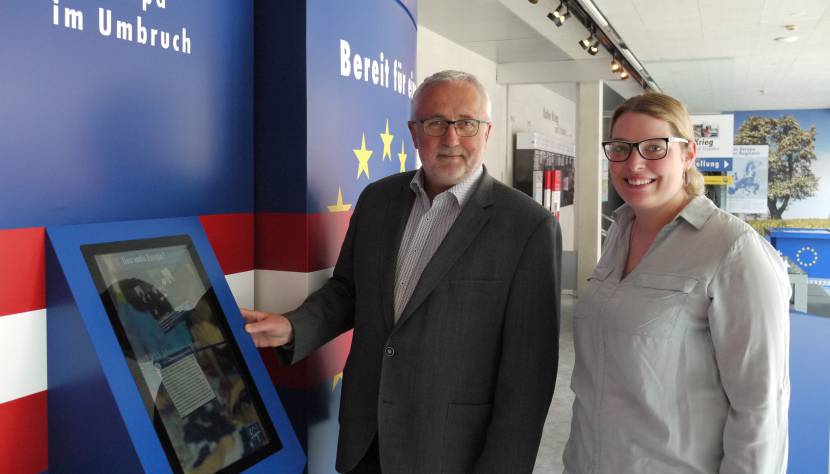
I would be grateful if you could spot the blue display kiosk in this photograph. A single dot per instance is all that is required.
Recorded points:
(176, 389)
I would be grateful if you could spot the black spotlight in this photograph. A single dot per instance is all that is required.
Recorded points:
(586, 43)
(590, 44)
(559, 15)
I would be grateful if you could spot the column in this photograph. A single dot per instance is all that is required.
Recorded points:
(588, 179)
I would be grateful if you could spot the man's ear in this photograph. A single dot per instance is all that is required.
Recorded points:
(413, 131)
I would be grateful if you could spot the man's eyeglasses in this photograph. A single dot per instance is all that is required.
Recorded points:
(650, 149)
(463, 127)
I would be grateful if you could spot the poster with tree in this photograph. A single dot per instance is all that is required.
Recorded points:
(798, 159)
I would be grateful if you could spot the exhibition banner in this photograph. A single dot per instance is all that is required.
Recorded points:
(717, 180)
(747, 194)
(799, 157)
(360, 79)
(713, 135)
(718, 165)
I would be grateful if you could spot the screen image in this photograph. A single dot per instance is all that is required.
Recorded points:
(178, 346)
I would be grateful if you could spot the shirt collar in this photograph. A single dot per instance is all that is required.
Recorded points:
(696, 212)
(461, 191)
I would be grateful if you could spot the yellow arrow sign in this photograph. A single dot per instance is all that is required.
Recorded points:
(718, 180)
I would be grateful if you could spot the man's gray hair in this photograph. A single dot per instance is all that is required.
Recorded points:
(451, 76)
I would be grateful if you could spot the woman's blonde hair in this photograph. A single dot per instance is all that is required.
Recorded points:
(670, 110)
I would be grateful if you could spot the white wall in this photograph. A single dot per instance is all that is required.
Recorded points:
(534, 108)
(436, 53)
(515, 109)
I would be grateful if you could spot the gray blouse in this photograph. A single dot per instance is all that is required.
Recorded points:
(683, 365)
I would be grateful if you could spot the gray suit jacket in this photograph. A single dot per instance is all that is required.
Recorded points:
(463, 381)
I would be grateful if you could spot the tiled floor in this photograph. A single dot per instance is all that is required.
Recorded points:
(558, 423)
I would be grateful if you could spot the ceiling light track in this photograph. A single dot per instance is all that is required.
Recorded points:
(601, 33)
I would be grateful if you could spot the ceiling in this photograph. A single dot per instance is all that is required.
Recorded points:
(714, 55)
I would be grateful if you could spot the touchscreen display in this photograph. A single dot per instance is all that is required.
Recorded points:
(188, 369)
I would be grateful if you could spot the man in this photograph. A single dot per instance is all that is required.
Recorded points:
(450, 280)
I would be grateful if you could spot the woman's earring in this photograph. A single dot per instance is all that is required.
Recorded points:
(685, 177)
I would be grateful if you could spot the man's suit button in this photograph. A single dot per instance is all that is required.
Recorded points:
(389, 351)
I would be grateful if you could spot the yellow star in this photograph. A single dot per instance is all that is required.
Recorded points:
(363, 156)
(337, 378)
(339, 206)
(387, 143)
(402, 158)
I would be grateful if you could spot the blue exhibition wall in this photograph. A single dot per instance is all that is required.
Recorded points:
(111, 110)
(333, 85)
(361, 75)
(340, 98)
(809, 410)
(101, 122)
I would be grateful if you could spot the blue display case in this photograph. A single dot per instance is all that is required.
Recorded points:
(808, 248)
(149, 367)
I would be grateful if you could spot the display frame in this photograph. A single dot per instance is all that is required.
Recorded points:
(93, 393)
(93, 250)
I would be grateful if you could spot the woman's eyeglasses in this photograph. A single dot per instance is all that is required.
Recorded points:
(649, 149)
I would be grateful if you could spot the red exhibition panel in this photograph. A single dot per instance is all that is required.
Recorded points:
(297, 242)
(232, 239)
(23, 435)
(280, 241)
(326, 233)
(321, 365)
(22, 270)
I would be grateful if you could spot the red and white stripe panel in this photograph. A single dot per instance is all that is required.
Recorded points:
(295, 255)
(23, 431)
(232, 239)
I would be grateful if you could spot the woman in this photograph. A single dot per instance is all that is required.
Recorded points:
(682, 332)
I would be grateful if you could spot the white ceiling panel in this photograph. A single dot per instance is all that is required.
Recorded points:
(751, 70)
(714, 55)
(795, 10)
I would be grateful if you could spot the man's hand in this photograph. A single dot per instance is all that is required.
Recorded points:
(267, 329)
